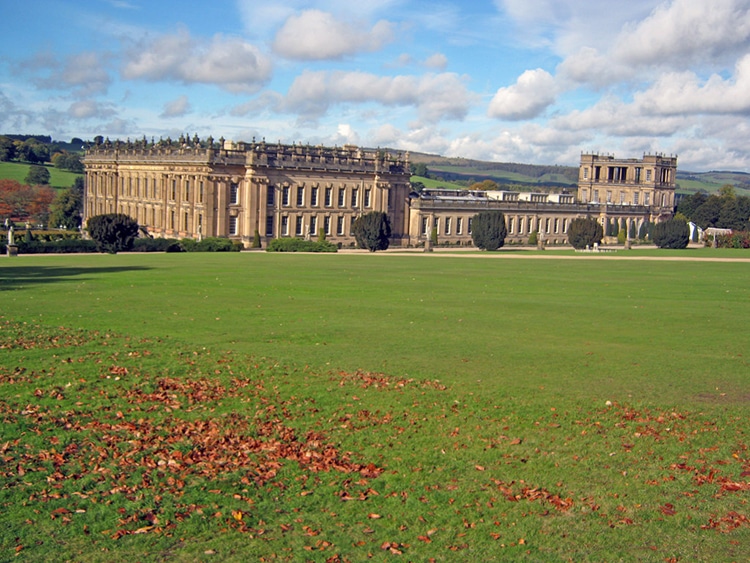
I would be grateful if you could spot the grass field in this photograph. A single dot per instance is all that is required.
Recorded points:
(18, 171)
(389, 407)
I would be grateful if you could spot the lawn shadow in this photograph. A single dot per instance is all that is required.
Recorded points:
(24, 276)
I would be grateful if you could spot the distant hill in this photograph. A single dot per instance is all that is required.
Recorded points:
(453, 172)
(508, 175)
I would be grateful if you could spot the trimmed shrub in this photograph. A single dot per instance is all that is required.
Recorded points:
(533, 238)
(673, 233)
(113, 232)
(64, 246)
(300, 245)
(488, 230)
(583, 232)
(156, 245)
(372, 231)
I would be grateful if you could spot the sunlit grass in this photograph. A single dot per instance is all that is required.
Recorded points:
(586, 410)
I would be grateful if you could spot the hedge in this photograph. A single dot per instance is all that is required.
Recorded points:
(299, 245)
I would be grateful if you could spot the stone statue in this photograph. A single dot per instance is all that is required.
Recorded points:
(11, 238)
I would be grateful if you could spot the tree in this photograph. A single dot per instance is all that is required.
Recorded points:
(113, 232)
(689, 204)
(38, 208)
(67, 208)
(37, 176)
(372, 231)
(673, 233)
(583, 232)
(484, 186)
(488, 230)
(33, 151)
(7, 149)
(67, 161)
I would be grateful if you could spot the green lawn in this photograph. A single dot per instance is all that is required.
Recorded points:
(353, 406)
(18, 171)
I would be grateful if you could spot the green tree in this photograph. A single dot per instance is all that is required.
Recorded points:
(67, 161)
(37, 176)
(673, 233)
(372, 231)
(33, 151)
(7, 149)
(113, 232)
(689, 204)
(488, 230)
(584, 231)
(419, 169)
(707, 215)
(67, 208)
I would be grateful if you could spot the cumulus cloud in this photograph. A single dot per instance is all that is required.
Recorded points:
(438, 61)
(87, 109)
(436, 96)
(177, 108)
(684, 32)
(533, 92)
(84, 73)
(227, 62)
(316, 35)
(684, 93)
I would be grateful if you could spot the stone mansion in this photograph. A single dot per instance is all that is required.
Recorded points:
(201, 189)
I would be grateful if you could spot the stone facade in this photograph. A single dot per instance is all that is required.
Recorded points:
(231, 190)
(199, 189)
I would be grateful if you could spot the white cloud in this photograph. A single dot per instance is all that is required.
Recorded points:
(533, 92)
(686, 32)
(680, 93)
(177, 108)
(438, 61)
(227, 62)
(88, 109)
(316, 35)
(436, 96)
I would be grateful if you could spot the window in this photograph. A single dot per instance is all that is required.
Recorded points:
(565, 226)
(638, 174)
(447, 225)
(368, 197)
(622, 198)
(596, 196)
(298, 226)
(187, 190)
(511, 225)
(635, 198)
(425, 223)
(647, 198)
(200, 192)
(234, 194)
(340, 226)
(586, 173)
(609, 196)
(185, 221)
(470, 218)
(355, 195)
(327, 225)
(546, 226)
(460, 226)
(520, 225)
(232, 225)
(300, 196)
(557, 225)
(171, 219)
(285, 196)
(269, 225)
(285, 225)
(648, 175)
(270, 196)
(342, 195)
(313, 225)
(329, 197)
(174, 190)
(314, 197)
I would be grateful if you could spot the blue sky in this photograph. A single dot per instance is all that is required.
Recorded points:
(535, 81)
